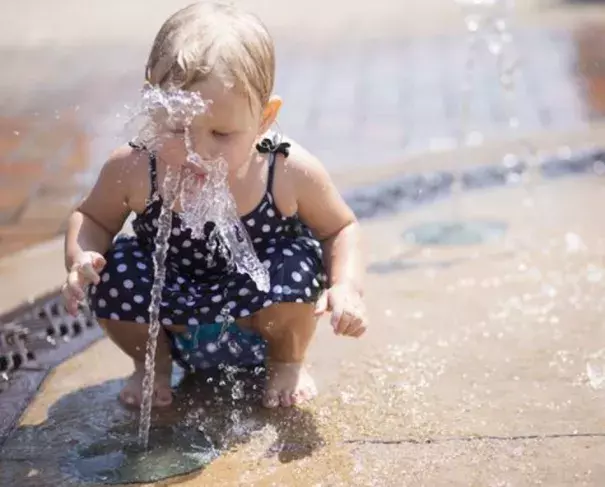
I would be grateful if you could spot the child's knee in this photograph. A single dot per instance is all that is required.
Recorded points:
(285, 318)
(282, 313)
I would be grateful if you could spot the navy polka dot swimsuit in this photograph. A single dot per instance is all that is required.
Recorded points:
(201, 286)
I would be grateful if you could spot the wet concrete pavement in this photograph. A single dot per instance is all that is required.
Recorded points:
(473, 373)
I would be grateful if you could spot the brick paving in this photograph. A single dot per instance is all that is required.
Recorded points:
(352, 102)
(38, 180)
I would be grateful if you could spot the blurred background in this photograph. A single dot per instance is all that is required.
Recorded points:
(365, 86)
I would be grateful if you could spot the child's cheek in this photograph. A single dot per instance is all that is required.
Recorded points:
(173, 150)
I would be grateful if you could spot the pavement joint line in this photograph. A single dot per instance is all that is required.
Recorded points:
(474, 438)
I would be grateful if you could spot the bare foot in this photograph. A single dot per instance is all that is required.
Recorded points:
(287, 384)
(132, 393)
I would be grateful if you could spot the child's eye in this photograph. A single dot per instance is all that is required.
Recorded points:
(217, 133)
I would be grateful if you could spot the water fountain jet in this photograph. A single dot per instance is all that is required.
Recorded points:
(203, 200)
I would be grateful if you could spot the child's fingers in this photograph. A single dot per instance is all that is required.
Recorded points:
(360, 331)
(348, 324)
(88, 272)
(98, 262)
(81, 274)
(71, 305)
(74, 286)
(339, 320)
(71, 302)
(356, 328)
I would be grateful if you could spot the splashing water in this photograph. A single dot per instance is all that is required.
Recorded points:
(204, 198)
(171, 184)
(595, 370)
(487, 22)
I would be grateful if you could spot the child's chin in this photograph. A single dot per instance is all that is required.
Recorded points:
(195, 169)
(199, 176)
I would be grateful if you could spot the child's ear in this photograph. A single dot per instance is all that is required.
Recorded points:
(270, 112)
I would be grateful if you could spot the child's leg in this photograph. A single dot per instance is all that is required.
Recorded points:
(132, 339)
(288, 329)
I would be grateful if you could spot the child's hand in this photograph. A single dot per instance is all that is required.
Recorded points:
(348, 310)
(82, 273)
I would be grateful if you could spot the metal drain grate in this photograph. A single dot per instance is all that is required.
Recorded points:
(34, 338)
(35, 328)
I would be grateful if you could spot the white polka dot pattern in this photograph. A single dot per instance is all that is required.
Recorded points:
(200, 285)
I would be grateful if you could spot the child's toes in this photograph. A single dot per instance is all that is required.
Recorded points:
(299, 397)
(128, 398)
(271, 398)
(304, 394)
(286, 399)
(310, 390)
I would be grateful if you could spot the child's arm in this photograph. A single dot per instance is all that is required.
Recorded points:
(332, 221)
(95, 222)
(322, 208)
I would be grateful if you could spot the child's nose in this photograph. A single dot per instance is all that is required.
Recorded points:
(208, 149)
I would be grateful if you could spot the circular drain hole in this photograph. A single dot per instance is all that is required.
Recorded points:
(471, 232)
(119, 460)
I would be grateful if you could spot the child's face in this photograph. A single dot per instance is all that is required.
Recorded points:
(228, 129)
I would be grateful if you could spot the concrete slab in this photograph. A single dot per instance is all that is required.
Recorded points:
(474, 371)
(553, 462)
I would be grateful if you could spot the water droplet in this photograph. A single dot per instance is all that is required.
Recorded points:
(573, 243)
(237, 392)
(595, 370)
(594, 273)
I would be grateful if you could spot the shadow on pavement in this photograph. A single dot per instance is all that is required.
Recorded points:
(89, 439)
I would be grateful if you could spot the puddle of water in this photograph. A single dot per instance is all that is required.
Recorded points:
(89, 439)
(119, 460)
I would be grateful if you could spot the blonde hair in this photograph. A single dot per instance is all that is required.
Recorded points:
(212, 38)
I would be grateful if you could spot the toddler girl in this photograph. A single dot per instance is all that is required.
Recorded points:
(300, 228)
